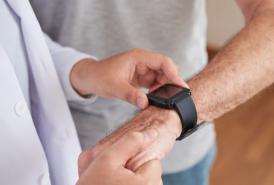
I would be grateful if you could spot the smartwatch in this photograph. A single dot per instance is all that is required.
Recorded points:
(178, 98)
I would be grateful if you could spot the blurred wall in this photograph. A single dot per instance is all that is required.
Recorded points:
(224, 20)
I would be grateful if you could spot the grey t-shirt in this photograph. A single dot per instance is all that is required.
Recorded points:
(105, 27)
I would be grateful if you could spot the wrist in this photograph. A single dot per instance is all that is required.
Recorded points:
(80, 76)
(199, 99)
(154, 117)
(174, 123)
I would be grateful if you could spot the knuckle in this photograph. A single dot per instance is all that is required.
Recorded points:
(168, 59)
(82, 157)
(136, 50)
(136, 137)
(162, 56)
(86, 156)
(107, 157)
(93, 155)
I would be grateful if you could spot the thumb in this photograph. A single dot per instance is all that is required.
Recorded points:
(134, 96)
(129, 146)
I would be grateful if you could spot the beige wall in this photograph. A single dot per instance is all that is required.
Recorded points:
(224, 20)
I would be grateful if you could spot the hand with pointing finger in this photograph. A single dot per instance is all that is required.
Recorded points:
(124, 75)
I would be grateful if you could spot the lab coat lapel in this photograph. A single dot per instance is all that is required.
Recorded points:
(49, 107)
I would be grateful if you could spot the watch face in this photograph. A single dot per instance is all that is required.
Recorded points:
(167, 91)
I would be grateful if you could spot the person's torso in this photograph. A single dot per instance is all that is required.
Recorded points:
(103, 28)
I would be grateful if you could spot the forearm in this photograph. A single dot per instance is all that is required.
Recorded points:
(242, 69)
(150, 118)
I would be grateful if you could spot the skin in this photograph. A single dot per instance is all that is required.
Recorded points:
(127, 72)
(165, 122)
(244, 67)
(240, 70)
(122, 76)
(110, 165)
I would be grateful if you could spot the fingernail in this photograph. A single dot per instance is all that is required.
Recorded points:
(181, 82)
(141, 102)
(150, 134)
(186, 85)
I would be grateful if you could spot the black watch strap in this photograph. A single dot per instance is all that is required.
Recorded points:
(188, 115)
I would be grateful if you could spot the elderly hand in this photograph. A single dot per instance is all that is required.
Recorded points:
(109, 167)
(165, 122)
(122, 76)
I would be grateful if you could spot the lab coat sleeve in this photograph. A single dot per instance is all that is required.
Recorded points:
(64, 59)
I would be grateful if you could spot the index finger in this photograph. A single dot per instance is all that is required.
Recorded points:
(158, 62)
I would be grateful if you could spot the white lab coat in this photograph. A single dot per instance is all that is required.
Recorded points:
(43, 148)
